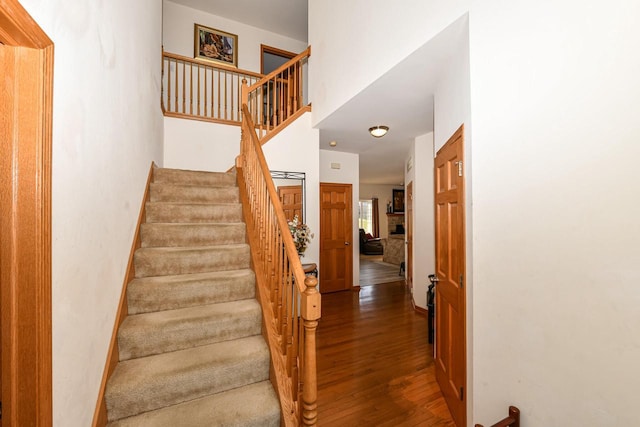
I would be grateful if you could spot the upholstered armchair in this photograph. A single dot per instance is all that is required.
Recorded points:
(370, 246)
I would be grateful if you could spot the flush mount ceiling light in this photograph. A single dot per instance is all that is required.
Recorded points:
(378, 131)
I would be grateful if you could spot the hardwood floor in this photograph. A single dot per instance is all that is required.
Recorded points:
(374, 271)
(375, 367)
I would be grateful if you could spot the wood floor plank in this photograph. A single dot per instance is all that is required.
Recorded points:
(375, 367)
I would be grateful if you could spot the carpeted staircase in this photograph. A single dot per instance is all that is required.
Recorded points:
(191, 349)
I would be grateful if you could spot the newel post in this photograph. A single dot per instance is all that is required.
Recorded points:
(310, 315)
(245, 93)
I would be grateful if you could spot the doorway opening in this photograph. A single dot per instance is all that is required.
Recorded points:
(271, 58)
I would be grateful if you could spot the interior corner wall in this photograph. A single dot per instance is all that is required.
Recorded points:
(178, 35)
(295, 149)
(421, 175)
(452, 109)
(107, 129)
(383, 192)
(338, 45)
(554, 100)
(452, 104)
(349, 173)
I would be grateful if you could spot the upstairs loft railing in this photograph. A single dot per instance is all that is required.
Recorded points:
(290, 301)
(279, 97)
(200, 90)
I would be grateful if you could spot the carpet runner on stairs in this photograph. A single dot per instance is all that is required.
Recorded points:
(191, 349)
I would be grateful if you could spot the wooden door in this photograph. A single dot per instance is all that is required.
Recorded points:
(450, 351)
(336, 238)
(409, 235)
(291, 198)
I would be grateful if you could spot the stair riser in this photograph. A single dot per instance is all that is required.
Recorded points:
(176, 235)
(184, 213)
(144, 297)
(191, 194)
(166, 389)
(208, 179)
(170, 263)
(181, 334)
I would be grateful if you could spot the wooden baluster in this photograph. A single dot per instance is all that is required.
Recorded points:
(310, 315)
(191, 88)
(184, 87)
(225, 95)
(169, 84)
(281, 105)
(213, 71)
(219, 77)
(206, 90)
(198, 109)
(234, 78)
(177, 88)
(290, 91)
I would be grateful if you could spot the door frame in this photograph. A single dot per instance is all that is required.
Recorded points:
(463, 281)
(350, 238)
(26, 61)
(274, 51)
(409, 235)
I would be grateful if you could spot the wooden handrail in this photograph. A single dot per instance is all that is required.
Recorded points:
(289, 299)
(276, 97)
(201, 90)
(210, 64)
(513, 420)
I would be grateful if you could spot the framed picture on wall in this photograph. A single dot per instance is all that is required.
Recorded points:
(398, 201)
(215, 45)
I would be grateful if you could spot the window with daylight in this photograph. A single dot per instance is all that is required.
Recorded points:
(365, 218)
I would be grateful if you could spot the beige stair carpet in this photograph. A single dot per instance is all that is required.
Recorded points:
(191, 349)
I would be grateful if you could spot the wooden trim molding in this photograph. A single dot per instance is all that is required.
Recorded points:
(26, 91)
(113, 356)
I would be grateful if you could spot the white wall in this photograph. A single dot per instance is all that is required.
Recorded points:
(452, 104)
(554, 98)
(452, 109)
(384, 35)
(107, 128)
(349, 173)
(178, 33)
(295, 149)
(196, 145)
(384, 193)
(421, 174)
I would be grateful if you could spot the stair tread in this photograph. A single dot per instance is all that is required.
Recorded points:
(180, 278)
(229, 408)
(148, 383)
(183, 290)
(169, 192)
(191, 234)
(197, 177)
(175, 212)
(187, 249)
(160, 261)
(170, 330)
